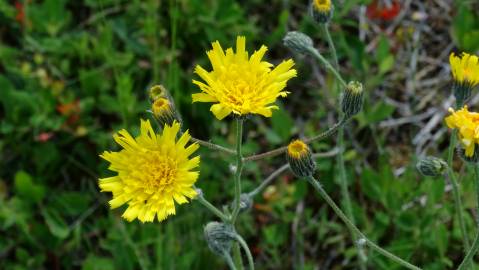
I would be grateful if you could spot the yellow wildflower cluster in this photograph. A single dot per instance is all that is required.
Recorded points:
(154, 172)
(467, 124)
(240, 84)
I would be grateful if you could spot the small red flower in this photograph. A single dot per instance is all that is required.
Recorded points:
(381, 11)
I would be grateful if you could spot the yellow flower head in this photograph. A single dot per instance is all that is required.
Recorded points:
(467, 124)
(322, 5)
(465, 69)
(240, 84)
(297, 149)
(154, 172)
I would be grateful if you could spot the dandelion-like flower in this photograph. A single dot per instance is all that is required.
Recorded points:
(240, 84)
(465, 69)
(322, 5)
(467, 124)
(154, 172)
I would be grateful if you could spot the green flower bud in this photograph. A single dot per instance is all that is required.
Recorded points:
(300, 159)
(352, 99)
(298, 42)
(321, 10)
(431, 166)
(218, 237)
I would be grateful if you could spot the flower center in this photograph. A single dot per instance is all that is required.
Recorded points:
(297, 148)
(158, 172)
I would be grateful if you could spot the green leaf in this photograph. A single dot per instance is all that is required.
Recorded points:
(25, 187)
(55, 223)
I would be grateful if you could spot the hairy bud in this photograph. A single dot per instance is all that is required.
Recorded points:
(298, 42)
(352, 99)
(431, 166)
(218, 237)
(300, 159)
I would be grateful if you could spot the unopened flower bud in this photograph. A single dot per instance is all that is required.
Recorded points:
(298, 42)
(300, 159)
(431, 166)
(218, 237)
(163, 111)
(321, 10)
(352, 99)
(157, 91)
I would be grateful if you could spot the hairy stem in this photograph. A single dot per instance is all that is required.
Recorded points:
(213, 146)
(239, 169)
(211, 207)
(229, 260)
(283, 149)
(243, 244)
(325, 62)
(353, 227)
(340, 159)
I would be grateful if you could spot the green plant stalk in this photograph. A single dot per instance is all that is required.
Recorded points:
(458, 206)
(239, 169)
(237, 182)
(467, 261)
(353, 227)
(212, 208)
(340, 160)
(283, 149)
(455, 191)
(213, 146)
(241, 241)
(325, 62)
(229, 261)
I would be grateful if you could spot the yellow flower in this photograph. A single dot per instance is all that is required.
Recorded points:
(322, 5)
(467, 124)
(163, 111)
(242, 85)
(465, 69)
(297, 149)
(154, 171)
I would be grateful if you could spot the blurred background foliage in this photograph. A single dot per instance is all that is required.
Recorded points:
(73, 72)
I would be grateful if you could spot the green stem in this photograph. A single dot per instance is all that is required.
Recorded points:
(353, 227)
(283, 149)
(229, 260)
(239, 168)
(213, 146)
(328, 66)
(238, 261)
(458, 206)
(212, 208)
(340, 160)
(467, 261)
(455, 191)
(242, 242)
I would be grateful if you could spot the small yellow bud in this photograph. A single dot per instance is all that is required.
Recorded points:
(157, 91)
(300, 159)
(163, 111)
(321, 10)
